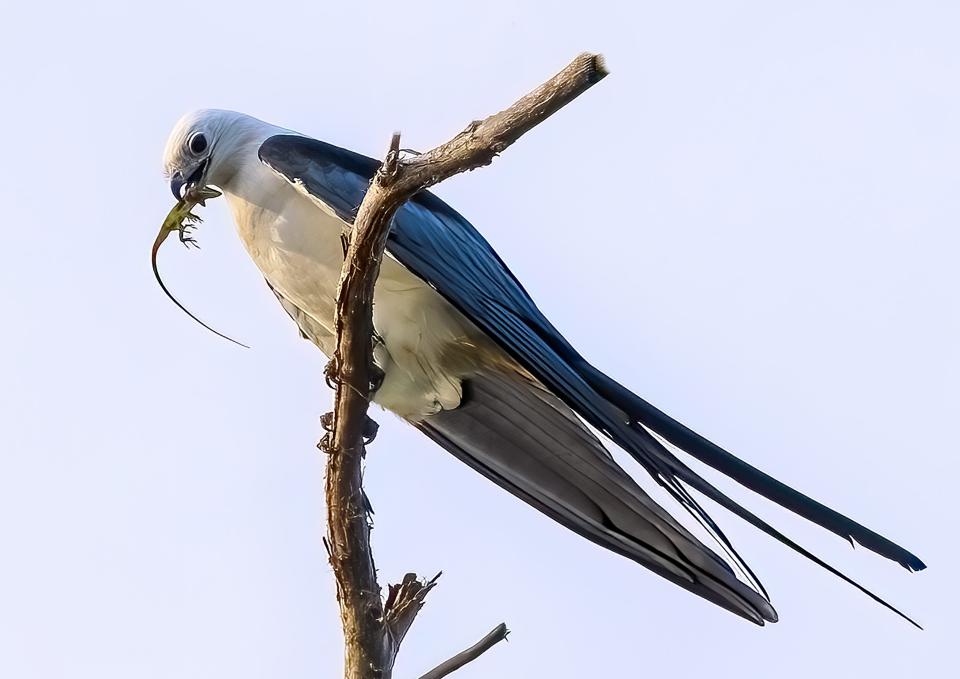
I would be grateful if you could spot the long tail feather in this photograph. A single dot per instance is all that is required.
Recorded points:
(680, 472)
(645, 415)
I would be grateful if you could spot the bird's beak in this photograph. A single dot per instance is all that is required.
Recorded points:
(189, 178)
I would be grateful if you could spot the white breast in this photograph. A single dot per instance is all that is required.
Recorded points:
(297, 247)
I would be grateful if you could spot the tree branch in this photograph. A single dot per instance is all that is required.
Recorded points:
(373, 631)
(495, 636)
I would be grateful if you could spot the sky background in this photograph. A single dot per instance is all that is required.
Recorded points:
(752, 222)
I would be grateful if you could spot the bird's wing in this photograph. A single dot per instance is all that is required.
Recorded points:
(524, 439)
(444, 249)
(309, 328)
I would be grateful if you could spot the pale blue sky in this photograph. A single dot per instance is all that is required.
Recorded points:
(752, 222)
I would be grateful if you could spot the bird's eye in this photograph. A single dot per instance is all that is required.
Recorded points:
(197, 144)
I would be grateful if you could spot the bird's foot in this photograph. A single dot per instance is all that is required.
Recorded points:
(376, 377)
(326, 421)
(370, 429)
(324, 444)
(331, 373)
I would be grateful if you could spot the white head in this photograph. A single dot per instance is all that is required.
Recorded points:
(204, 147)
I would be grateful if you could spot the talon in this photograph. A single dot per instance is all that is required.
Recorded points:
(326, 421)
(323, 445)
(376, 377)
(370, 429)
(331, 373)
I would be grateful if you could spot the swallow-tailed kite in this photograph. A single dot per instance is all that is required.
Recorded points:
(470, 360)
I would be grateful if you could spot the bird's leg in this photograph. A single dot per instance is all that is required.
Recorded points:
(332, 375)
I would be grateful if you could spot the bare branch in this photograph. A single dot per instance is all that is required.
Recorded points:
(496, 635)
(373, 632)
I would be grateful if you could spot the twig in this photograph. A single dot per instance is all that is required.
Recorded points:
(495, 636)
(372, 637)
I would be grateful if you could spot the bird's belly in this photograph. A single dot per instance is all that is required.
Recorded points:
(427, 344)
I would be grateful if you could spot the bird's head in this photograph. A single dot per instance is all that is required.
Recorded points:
(189, 151)
(201, 148)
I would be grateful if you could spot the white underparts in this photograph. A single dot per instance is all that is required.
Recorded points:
(297, 247)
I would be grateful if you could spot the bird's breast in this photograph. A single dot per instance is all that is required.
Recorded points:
(427, 344)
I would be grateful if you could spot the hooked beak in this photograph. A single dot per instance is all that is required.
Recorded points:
(190, 177)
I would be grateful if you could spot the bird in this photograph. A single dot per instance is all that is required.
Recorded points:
(468, 358)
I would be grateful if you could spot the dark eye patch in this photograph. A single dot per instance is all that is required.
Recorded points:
(198, 143)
